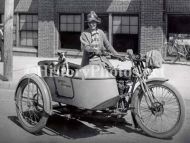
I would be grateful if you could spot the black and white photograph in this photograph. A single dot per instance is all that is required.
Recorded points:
(101, 71)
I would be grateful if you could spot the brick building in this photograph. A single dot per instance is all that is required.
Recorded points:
(42, 27)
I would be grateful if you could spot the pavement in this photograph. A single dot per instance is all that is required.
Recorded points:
(177, 73)
(67, 131)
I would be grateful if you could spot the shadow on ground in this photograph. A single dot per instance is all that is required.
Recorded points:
(80, 128)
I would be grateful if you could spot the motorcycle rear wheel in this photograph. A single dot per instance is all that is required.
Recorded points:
(167, 117)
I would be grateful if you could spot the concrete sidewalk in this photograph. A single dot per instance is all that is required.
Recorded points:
(178, 74)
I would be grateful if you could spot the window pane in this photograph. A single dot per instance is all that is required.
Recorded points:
(23, 41)
(35, 35)
(35, 18)
(22, 26)
(70, 40)
(28, 18)
(29, 26)
(29, 34)
(70, 19)
(125, 29)
(133, 29)
(125, 20)
(22, 18)
(122, 42)
(77, 27)
(29, 42)
(63, 27)
(23, 34)
(35, 42)
(35, 26)
(116, 20)
(70, 27)
(63, 19)
(116, 29)
(77, 19)
(133, 20)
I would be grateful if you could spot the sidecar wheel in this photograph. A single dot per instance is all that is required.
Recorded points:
(166, 118)
(31, 103)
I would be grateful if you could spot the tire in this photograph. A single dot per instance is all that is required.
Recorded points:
(173, 53)
(161, 116)
(32, 105)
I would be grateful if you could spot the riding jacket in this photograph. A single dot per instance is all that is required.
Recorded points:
(94, 40)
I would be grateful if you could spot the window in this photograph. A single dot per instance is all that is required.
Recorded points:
(70, 30)
(125, 33)
(28, 30)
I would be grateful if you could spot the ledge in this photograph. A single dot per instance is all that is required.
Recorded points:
(71, 52)
(25, 49)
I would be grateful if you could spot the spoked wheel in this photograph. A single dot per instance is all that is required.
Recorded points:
(31, 105)
(173, 53)
(165, 116)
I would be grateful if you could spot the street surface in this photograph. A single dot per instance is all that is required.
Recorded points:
(63, 130)
(67, 131)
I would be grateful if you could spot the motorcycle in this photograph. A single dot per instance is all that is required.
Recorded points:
(65, 88)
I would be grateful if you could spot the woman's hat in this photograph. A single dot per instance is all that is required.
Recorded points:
(92, 16)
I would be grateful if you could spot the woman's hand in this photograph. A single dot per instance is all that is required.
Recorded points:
(97, 52)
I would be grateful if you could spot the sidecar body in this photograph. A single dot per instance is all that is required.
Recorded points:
(90, 87)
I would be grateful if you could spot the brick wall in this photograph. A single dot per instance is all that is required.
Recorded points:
(178, 6)
(151, 30)
(46, 28)
(76, 6)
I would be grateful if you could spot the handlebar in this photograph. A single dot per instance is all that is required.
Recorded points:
(129, 56)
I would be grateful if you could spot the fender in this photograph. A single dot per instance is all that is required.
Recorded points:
(44, 89)
(151, 80)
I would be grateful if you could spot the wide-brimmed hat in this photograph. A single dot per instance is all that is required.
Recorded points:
(92, 16)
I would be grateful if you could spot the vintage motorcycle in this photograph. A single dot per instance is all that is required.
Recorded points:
(65, 88)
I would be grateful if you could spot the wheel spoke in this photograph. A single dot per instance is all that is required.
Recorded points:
(165, 113)
(30, 104)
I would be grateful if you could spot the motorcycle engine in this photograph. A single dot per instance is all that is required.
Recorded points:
(123, 86)
(123, 78)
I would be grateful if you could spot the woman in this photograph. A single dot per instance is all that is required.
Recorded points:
(94, 40)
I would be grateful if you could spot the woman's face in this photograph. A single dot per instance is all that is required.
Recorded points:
(92, 25)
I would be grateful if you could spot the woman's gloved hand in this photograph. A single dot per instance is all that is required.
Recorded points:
(97, 52)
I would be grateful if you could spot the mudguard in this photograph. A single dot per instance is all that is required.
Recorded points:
(151, 80)
(44, 89)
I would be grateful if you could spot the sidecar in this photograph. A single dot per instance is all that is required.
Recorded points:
(91, 87)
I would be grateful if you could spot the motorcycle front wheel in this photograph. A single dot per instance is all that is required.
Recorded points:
(165, 117)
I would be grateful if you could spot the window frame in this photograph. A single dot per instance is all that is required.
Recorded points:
(33, 31)
(122, 25)
(127, 34)
(70, 31)
(67, 23)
